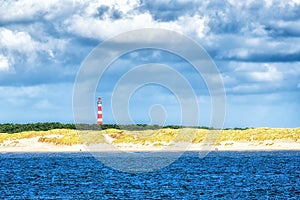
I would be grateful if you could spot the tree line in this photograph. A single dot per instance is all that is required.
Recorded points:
(45, 126)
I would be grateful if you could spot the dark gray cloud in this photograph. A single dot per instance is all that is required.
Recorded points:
(169, 10)
(108, 12)
(266, 57)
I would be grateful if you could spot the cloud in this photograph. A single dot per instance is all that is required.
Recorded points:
(20, 41)
(233, 30)
(270, 75)
(20, 11)
(168, 11)
(21, 46)
(260, 78)
(102, 29)
(4, 63)
(17, 42)
(33, 60)
(249, 30)
(284, 28)
(254, 49)
(242, 31)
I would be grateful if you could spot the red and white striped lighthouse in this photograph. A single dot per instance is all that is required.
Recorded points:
(99, 104)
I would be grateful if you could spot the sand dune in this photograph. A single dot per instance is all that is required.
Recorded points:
(33, 145)
(68, 140)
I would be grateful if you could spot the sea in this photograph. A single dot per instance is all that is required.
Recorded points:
(218, 175)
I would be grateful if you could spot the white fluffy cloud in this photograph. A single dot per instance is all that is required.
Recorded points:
(4, 63)
(96, 18)
(15, 40)
(256, 78)
(102, 29)
(270, 74)
(21, 46)
(16, 44)
(26, 10)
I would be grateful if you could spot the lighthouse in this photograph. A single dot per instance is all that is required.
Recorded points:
(99, 118)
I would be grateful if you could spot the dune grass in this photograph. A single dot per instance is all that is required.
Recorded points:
(55, 136)
(261, 134)
(157, 137)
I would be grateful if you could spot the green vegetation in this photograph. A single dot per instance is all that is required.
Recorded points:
(16, 128)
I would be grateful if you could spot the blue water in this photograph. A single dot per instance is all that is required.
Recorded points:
(220, 175)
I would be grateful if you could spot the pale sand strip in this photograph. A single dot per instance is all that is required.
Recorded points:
(32, 145)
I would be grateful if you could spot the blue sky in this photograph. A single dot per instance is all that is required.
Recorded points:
(255, 45)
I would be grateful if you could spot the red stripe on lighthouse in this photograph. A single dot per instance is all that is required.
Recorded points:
(99, 114)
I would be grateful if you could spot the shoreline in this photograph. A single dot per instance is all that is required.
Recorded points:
(146, 151)
(33, 146)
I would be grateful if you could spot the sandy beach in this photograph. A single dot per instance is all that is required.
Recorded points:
(33, 145)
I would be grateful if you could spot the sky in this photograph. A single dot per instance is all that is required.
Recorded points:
(254, 44)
